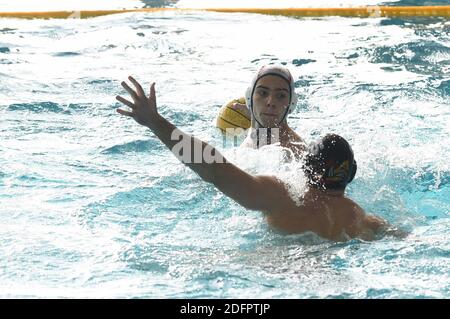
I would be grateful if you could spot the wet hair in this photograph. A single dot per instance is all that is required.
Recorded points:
(330, 163)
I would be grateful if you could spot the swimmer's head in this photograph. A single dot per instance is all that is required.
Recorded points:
(271, 96)
(330, 163)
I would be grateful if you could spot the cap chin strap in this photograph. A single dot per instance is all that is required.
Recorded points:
(269, 129)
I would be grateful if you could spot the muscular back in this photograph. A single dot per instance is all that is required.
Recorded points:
(331, 216)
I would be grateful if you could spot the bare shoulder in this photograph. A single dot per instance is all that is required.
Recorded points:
(295, 138)
(276, 191)
(367, 220)
(374, 222)
(364, 225)
(357, 210)
(370, 221)
(272, 182)
(296, 144)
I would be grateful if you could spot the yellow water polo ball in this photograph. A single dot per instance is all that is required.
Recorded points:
(230, 117)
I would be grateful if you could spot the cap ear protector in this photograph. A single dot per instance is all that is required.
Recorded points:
(352, 172)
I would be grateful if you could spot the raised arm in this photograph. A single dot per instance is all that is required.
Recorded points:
(253, 192)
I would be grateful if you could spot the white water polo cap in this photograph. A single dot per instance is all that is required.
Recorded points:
(276, 70)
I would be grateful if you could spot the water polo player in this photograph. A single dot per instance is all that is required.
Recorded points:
(323, 208)
(269, 99)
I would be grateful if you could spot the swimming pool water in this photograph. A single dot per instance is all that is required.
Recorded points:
(92, 205)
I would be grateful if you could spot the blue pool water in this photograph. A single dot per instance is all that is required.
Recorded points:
(93, 206)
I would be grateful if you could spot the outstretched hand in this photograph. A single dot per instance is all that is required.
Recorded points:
(143, 108)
